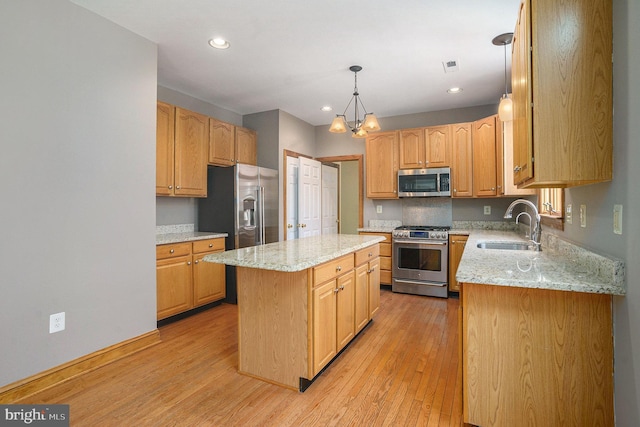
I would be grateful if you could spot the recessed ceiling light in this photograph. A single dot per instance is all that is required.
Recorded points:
(327, 108)
(219, 43)
(454, 90)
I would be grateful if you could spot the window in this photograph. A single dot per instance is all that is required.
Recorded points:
(551, 207)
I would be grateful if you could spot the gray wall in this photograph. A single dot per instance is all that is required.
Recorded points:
(77, 115)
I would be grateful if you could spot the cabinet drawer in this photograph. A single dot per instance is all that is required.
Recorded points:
(173, 250)
(331, 269)
(385, 263)
(208, 245)
(366, 254)
(385, 249)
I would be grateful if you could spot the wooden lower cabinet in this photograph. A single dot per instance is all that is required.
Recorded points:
(456, 248)
(184, 280)
(536, 357)
(385, 256)
(173, 281)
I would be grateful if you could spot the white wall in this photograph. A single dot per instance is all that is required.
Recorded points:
(77, 128)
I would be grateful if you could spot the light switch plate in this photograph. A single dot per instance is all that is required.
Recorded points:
(568, 218)
(583, 216)
(617, 219)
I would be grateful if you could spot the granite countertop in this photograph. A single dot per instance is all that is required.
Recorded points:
(559, 266)
(295, 255)
(186, 236)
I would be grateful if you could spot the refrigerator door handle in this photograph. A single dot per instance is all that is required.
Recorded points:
(261, 214)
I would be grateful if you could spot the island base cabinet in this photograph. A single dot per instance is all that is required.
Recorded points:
(536, 357)
(272, 325)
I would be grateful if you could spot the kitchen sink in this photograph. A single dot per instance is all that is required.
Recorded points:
(509, 246)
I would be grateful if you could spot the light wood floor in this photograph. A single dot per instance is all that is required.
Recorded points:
(402, 370)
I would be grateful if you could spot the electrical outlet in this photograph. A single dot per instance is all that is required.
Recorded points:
(379, 209)
(617, 219)
(583, 216)
(56, 322)
(568, 218)
(487, 210)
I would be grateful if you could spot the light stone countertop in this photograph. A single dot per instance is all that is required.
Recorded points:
(559, 266)
(295, 255)
(187, 236)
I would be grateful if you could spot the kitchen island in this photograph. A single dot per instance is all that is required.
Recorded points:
(300, 302)
(536, 333)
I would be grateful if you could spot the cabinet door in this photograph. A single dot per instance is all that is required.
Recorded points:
(438, 146)
(521, 88)
(165, 119)
(411, 149)
(246, 146)
(483, 136)
(222, 143)
(382, 165)
(462, 167)
(324, 325)
(173, 281)
(374, 287)
(362, 296)
(191, 145)
(345, 310)
(208, 280)
(456, 248)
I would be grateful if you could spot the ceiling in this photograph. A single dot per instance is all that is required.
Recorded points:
(295, 55)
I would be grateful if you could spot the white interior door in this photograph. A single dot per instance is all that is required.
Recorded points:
(309, 197)
(292, 197)
(329, 202)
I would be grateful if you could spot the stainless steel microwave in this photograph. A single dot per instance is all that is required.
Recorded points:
(430, 182)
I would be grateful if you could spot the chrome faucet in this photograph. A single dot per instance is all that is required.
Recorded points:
(534, 234)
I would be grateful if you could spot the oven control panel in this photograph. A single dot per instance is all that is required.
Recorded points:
(421, 234)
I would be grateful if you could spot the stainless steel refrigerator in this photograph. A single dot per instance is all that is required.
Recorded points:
(242, 201)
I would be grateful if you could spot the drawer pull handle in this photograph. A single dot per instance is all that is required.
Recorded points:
(171, 251)
(210, 245)
(338, 268)
(370, 254)
(196, 261)
(188, 262)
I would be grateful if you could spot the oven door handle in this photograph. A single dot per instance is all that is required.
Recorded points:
(420, 242)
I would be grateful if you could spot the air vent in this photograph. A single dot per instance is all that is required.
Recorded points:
(450, 66)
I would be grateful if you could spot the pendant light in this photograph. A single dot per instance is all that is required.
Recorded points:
(505, 109)
(360, 128)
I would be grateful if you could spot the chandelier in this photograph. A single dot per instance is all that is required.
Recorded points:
(505, 109)
(359, 128)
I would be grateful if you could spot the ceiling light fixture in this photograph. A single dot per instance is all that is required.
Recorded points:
(360, 128)
(454, 90)
(505, 109)
(219, 43)
(327, 108)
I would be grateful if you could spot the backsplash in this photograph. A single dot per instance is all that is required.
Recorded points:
(427, 211)
(486, 225)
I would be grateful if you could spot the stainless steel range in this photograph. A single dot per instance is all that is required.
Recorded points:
(420, 260)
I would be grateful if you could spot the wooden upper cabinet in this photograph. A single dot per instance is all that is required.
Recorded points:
(382, 165)
(165, 119)
(191, 145)
(483, 135)
(438, 146)
(222, 143)
(412, 149)
(563, 108)
(462, 160)
(425, 147)
(246, 146)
